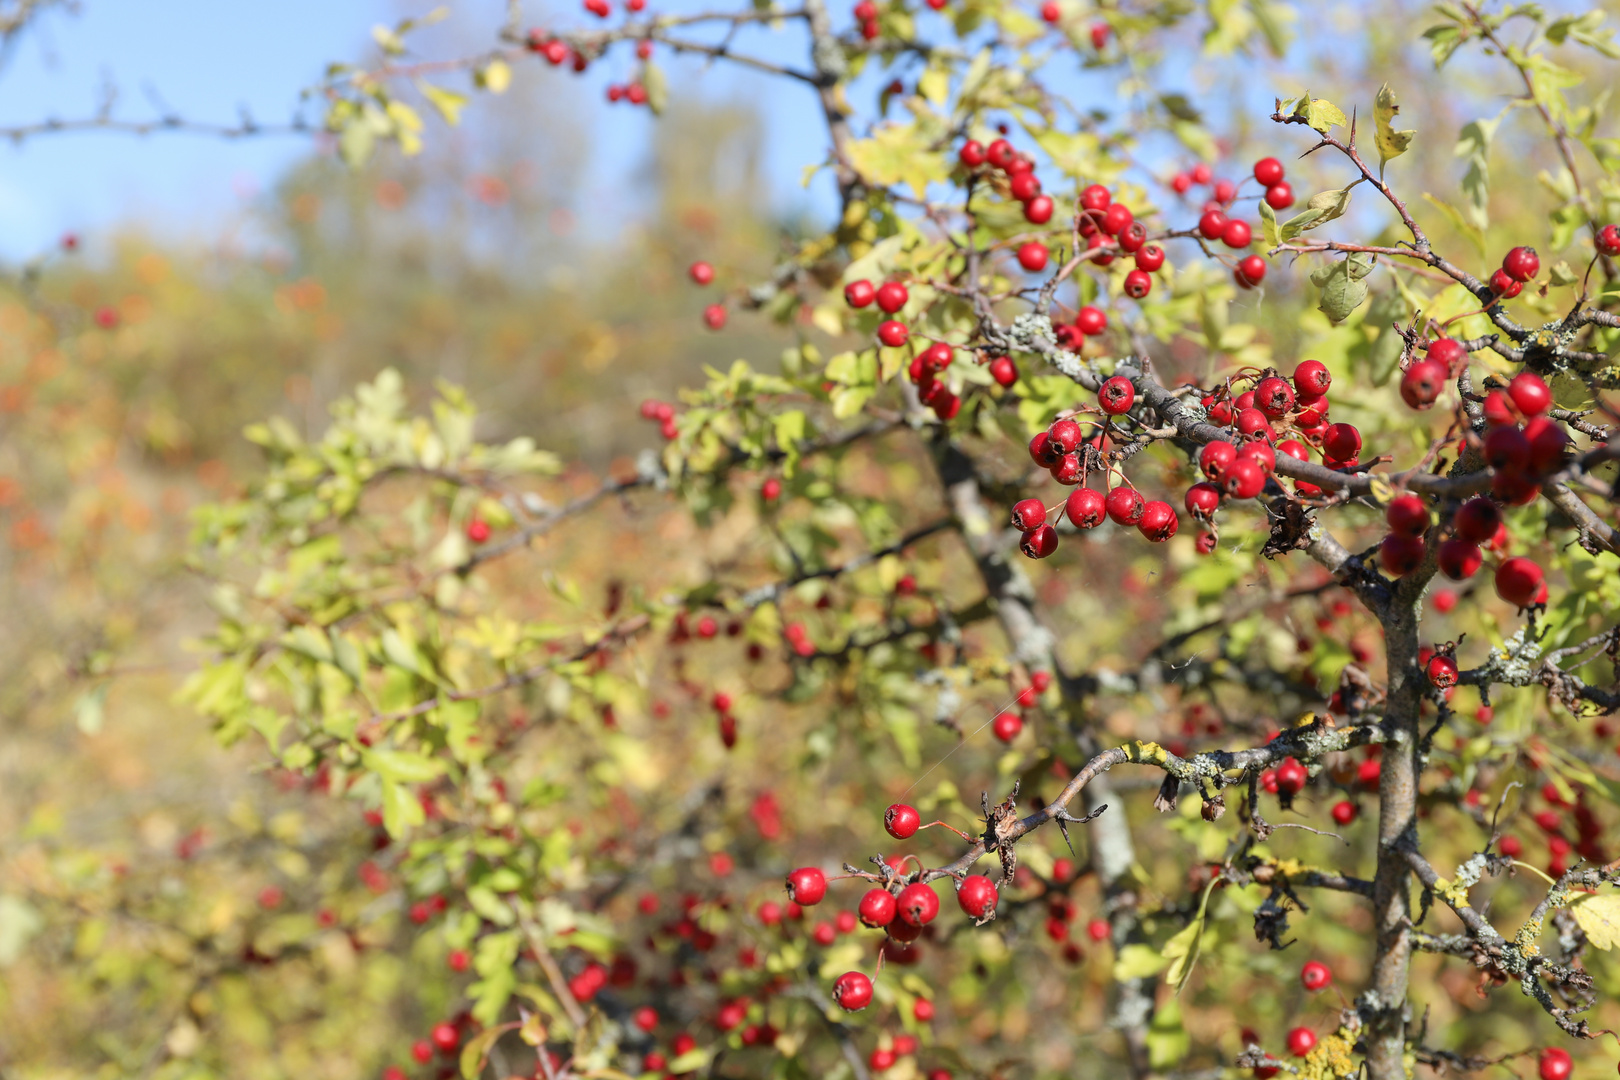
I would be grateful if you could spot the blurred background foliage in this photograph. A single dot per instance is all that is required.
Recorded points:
(135, 853)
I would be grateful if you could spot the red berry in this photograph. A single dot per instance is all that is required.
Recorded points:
(1180, 183)
(1477, 520)
(1038, 210)
(1507, 448)
(445, 1038)
(1344, 812)
(701, 272)
(646, 1018)
(1447, 351)
(1224, 192)
(1215, 457)
(859, 294)
(852, 991)
(1116, 219)
(1024, 186)
(1400, 554)
(714, 316)
(1442, 671)
(1028, 514)
(1003, 370)
(1518, 580)
(1124, 505)
(1530, 393)
(1150, 258)
(1268, 171)
(923, 1010)
(1032, 256)
(1459, 560)
(1116, 395)
(1212, 226)
(1137, 283)
(1095, 198)
(1085, 508)
(1090, 321)
(1555, 1064)
(1522, 263)
(1039, 542)
(1274, 397)
(1291, 777)
(977, 896)
(1301, 1041)
(877, 908)
(1243, 478)
(1253, 423)
(1202, 500)
(1050, 11)
(918, 904)
(893, 334)
(971, 154)
(1279, 196)
(1099, 35)
(1006, 726)
(422, 1051)
(1158, 521)
(806, 886)
(892, 296)
(1262, 454)
(902, 821)
(1044, 451)
(1407, 514)
(1251, 271)
(1341, 441)
(1422, 383)
(1132, 237)
(1236, 234)
(1608, 240)
(1505, 285)
(1315, 975)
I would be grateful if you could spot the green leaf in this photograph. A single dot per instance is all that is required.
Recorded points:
(448, 102)
(1320, 113)
(477, 1049)
(1323, 207)
(1268, 224)
(898, 153)
(1391, 143)
(1138, 962)
(1182, 949)
(1463, 225)
(1343, 285)
(19, 922)
(656, 84)
(1167, 1040)
(1474, 144)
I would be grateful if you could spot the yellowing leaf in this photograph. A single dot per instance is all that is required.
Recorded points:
(1599, 916)
(496, 76)
(898, 153)
(448, 102)
(657, 87)
(1391, 143)
(1182, 949)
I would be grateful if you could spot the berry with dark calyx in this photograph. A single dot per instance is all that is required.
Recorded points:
(859, 294)
(1044, 451)
(1498, 409)
(977, 896)
(1065, 433)
(1422, 383)
(1441, 671)
(1236, 234)
(852, 991)
(1341, 441)
(1459, 559)
(1214, 458)
(1291, 777)
(1158, 522)
(919, 903)
(1315, 976)
(1205, 544)
(1274, 397)
(893, 334)
(1447, 351)
(1477, 520)
(1004, 371)
(1268, 171)
(1137, 283)
(1091, 321)
(1608, 240)
(1039, 210)
(1024, 186)
(1006, 726)
(701, 272)
(1202, 500)
(1262, 454)
(1312, 378)
(1530, 393)
(877, 908)
(1253, 424)
(972, 154)
(1507, 448)
(1116, 395)
(1032, 256)
(1212, 225)
(1279, 196)
(1522, 263)
(1124, 505)
(1518, 580)
(1039, 542)
(1250, 271)
(1301, 1041)
(806, 886)
(1095, 198)
(902, 821)
(1085, 508)
(1407, 514)
(892, 296)
(1400, 554)
(1132, 237)
(1028, 514)
(938, 356)
(1504, 285)
(1243, 478)
(1149, 258)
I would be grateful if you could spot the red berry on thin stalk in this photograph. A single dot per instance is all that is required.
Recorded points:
(1315, 975)
(701, 272)
(1268, 171)
(1039, 542)
(1279, 196)
(859, 294)
(1150, 258)
(852, 991)
(902, 821)
(1116, 395)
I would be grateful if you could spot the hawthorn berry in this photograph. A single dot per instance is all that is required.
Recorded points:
(880, 1059)
(977, 896)
(1137, 283)
(1202, 500)
(1341, 441)
(1085, 508)
(1459, 559)
(445, 1038)
(701, 272)
(923, 1010)
(1447, 351)
(1444, 599)
(1442, 671)
(646, 1018)
(1214, 458)
(1262, 454)
(1291, 777)
(1301, 1041)
(1407, 514)
(1124, 505)
(1004, 371)
(918, 904)
(1477, 520)
(1422, 383)
(893, 334)
(1530, 393)
(1180, 183)
(477, 531)
(877, 908)
(458, 960)
(1236, 234)
(1044, 451)
(1554, 1064)
(1116, 219)
(1039, 542)
(1032, 256)
(1149, 258)
(1099, 35)
(1268, 171)
(1090, 321)
(1132, 237)
(1608, 240)
(1504, 285)
(1116, 395)
(1274, 397)
(1212, 225)
(1522, 263)
(1006, 726)
(1158, 522)
(1224, 192)
(714, 316)
(972, 154)
(1400, 554)
(1038, 210)
(902, 821)
(1095, 198)
(1344, 812)
(1243, 478)
(1253, 423)
(1280, 196)
(806, 886)
(892, 296)
(859, 294)
(1507, 448)
(1250, 271)
(422, 1051)
(1027, 514)
(1518, 581)
(1024, 186)
(1316, 975)
(852, 991)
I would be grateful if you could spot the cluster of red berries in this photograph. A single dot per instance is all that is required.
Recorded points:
(635, 93)
(1099, 31)
(1518, 266)
(1019, 170)
(714, 316)
(1007, 724)
(866, 13)
(558, 52)
(1588, 830)
(663, 414)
